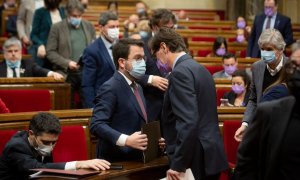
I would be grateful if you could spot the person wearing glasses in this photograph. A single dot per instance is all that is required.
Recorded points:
(33, 149)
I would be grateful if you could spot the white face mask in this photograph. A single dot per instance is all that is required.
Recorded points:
(44, 150)
(113, 33)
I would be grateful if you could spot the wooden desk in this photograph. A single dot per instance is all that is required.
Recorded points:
(61, 89)
(136, 171)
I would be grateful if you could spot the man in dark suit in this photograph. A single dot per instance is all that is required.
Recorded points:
(264, 73)
(98, 65)
(154, 82)
(189, 116)
(14, 66)
(33, 149)
(270, 148)
(120, 110)
(271, 19)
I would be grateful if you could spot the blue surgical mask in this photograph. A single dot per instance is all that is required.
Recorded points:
(267, 56)
(75, 21)
(12, 64)
(138, 68)
(143, 34)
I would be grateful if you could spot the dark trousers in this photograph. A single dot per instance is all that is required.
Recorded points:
(74, 78)
(198, 166)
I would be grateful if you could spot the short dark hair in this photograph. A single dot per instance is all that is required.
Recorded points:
(218, 42)
(244, 75)
(171, 38)
(74, 5)
(122, 47)
(107, 16)
(51, 5)
(45, 122)
(228, 55)
(161, 17)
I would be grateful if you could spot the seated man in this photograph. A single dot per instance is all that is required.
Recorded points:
(32, 149)
(12, 66)
(230, 64)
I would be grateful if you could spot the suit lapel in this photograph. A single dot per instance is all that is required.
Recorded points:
(277, 21)
(23, 71)
(3, 69)
(261, 25)
(130, 93)
(260, 79)
(65, 34)
(104, 53)
(86, 32)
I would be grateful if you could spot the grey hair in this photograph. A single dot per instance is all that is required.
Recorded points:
(11, 42)
(271, 37)
(296, 46)
(106, 16)
(74, 5)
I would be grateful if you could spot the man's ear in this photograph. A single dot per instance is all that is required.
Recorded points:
(121, 62)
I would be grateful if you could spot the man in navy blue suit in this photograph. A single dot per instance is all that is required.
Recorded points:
(268, 20)
(98, 65)
(189, 114)
(120, 108)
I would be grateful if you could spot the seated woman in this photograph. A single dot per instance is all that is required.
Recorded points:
(219, 48)
(243, 31)
(240, 89)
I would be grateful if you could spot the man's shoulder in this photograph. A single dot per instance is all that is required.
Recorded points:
(219, 74)
(18, 141)
(258, 64)
(283, 17)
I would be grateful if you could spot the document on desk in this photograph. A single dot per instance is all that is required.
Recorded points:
(152, 130)
(188, 175)
(59, 173)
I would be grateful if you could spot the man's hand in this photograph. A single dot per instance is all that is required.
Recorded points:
(73, 65)
(97, 164)
(25, 41)
(162, 143)
(160, 83)
(137, 140)
(55, 75)
(174, 175)
(239, 133)
(41, 52)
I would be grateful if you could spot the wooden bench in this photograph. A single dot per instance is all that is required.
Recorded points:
(60, 88)
(20, 121)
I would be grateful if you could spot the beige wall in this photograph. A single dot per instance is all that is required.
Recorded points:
(187, 4)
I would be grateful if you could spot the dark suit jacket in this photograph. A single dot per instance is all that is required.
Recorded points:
(154, 96)
(189, 119)
(256, 88)
(41, 26)
(276, 92)
(259, 149)
(231, 97)
(31, 69)
(97, 68)
(18, 157)
(116, 112)
(282, 23)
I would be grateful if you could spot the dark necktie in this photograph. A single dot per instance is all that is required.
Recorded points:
(139, 99)
(268, 23)
(14, 72)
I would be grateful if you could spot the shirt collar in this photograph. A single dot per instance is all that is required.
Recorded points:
(277, 69)
(126, 78)
(179, 56)
(107, 44)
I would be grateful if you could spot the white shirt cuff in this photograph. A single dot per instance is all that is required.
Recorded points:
(50, 73)
(70, 165)
(122, 140)
(245, 124)
(150, 79)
